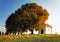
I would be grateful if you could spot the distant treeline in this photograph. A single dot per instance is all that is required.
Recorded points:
(2, 33)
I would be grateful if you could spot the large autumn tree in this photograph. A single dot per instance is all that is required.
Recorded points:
(29, 16)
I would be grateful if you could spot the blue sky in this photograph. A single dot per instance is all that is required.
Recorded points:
(9, 6)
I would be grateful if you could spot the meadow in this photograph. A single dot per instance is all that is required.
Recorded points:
(30, 38)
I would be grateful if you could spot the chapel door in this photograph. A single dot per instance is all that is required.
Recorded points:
(42, 31)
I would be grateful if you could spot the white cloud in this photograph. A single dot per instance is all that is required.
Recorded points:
(2, 29)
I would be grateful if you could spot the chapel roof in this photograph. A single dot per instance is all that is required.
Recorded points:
(47, 25)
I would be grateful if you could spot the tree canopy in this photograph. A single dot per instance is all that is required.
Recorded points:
(29, 16)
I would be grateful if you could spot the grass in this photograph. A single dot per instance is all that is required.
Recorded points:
(30, 38)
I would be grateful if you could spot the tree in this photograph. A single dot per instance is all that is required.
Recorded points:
(29, 16)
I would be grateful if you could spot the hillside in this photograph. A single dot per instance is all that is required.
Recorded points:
(30, 38)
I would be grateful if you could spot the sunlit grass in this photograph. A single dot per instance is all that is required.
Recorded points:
(30, 38)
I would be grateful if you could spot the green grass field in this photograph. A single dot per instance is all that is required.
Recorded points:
(30, 38)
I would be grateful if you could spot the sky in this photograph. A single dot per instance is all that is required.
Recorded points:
(52, 6)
